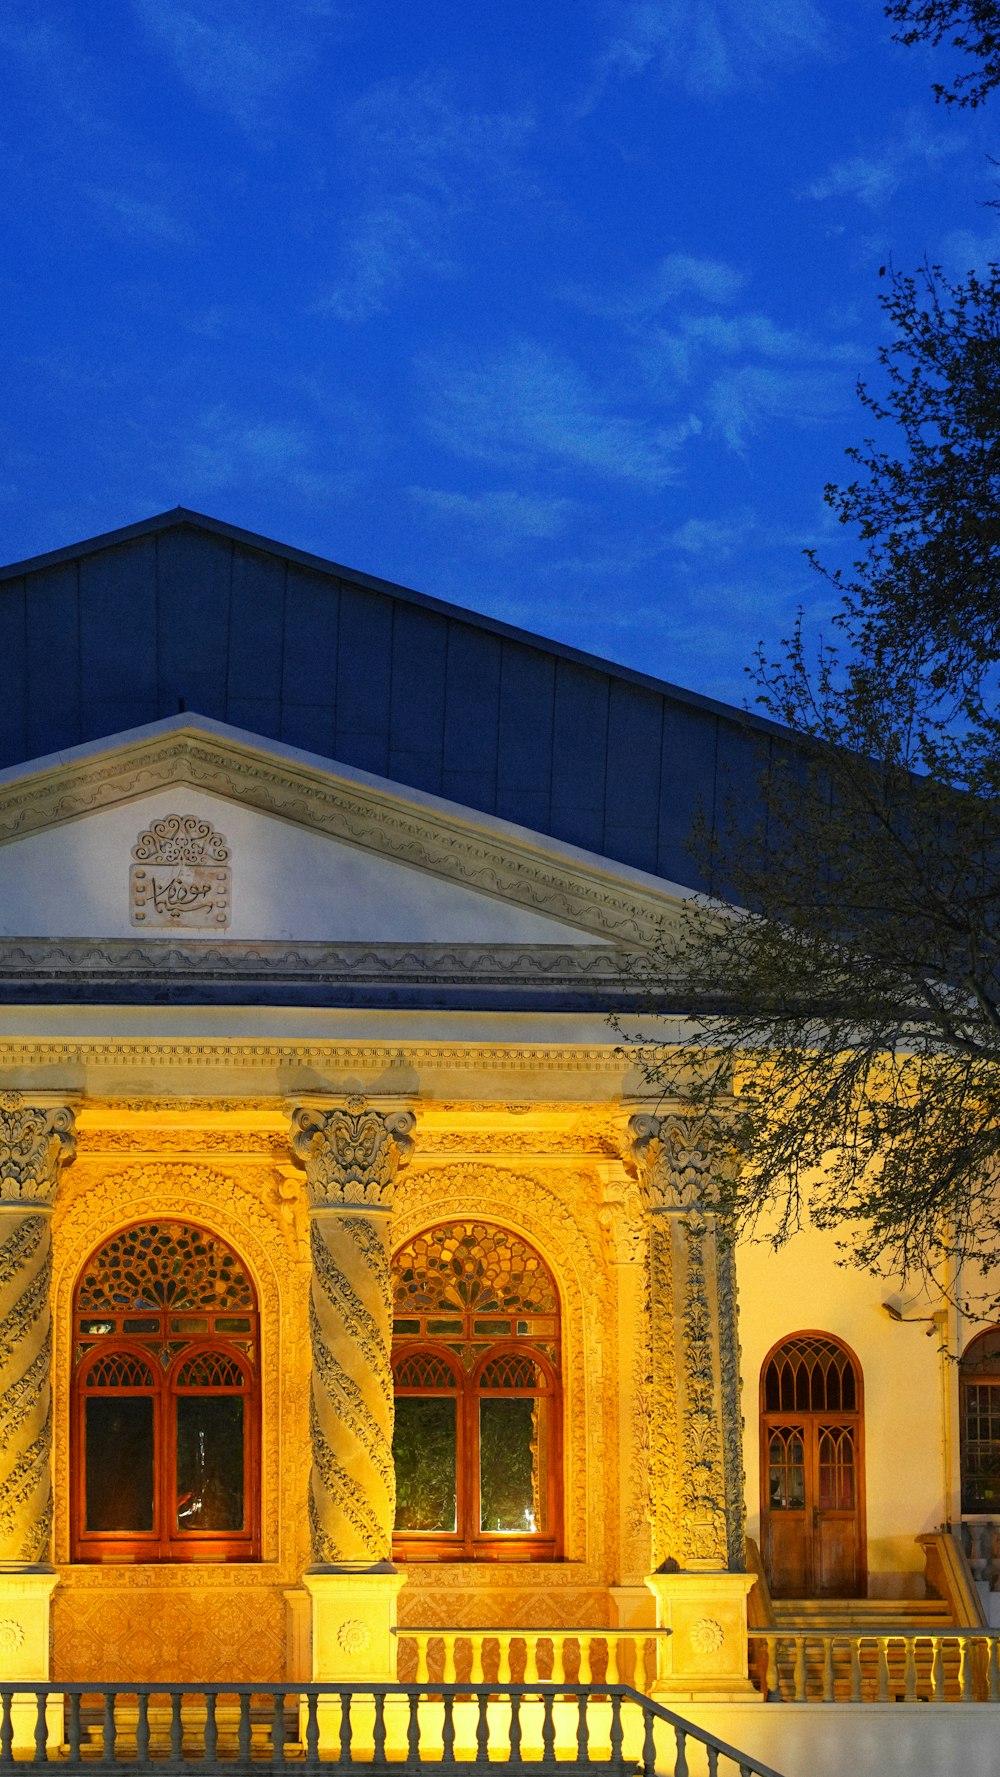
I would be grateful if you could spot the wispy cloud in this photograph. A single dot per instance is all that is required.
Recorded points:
(505, 514)
(742, 400)
(225, 449)
(527, 405)
(873, 178)
(422, 162)
(237, 54)
(713, 47)
(123, 213)
(678, 274)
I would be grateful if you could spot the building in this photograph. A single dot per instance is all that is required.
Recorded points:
(314, 894)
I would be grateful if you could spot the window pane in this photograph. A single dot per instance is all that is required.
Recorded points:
(513, 1464)
(424, 1450)
(119, 1481)
(209, 1462)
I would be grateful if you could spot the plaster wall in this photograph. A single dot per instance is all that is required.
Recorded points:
(72, 881)
(802, 1288)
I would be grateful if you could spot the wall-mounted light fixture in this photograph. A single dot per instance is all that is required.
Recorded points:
(933, 1322)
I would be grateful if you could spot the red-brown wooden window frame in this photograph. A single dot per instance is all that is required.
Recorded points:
(468, 1542)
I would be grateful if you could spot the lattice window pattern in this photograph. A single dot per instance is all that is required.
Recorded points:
(810, 1375)
(424, 1369)
(472, 1267)
(210, 1369)
(165, 1265)
(119, 1369)
(511, 1370)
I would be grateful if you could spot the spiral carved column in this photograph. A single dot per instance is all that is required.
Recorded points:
(35, 1142)
(351, 1157)
(695, 1429)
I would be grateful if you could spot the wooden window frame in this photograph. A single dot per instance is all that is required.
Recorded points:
(968, 1377)
(467, 1542)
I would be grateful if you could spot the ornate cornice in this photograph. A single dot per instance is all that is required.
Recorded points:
(351, 1154)
(430, 839)
(36, 1142)
(591, 975)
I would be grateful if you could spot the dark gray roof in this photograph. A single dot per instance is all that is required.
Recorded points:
(184, 612)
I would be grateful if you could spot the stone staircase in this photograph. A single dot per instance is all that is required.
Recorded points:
(863, 1642)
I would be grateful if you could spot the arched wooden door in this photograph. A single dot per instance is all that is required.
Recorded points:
(812, 1469)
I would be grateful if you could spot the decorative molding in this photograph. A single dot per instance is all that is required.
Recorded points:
(675, 1172)
(354, 1636)
(429, 839)
(35, 1143)
(707, 1636)
(11, 1635)
(180, 876)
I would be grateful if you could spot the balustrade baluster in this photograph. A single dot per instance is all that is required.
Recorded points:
(312, 1732)
(344, 1698)
(379, 1737)
(211, 1731)
(799, 1680)
(937, 1670)
(514, 1739)
(448, 1730)
(612, 1672)
(41, 1730)
(278, 1729)
(910, 1669)
(476, 1673)
(681, 1768)
(828, 1669)
(413, 1730)
(176, 1727)
(422, 1642)
(965, 1668)
(617, 1731)
(713, 1762)
(648, 1746)
(483, 1729)
(771, 1691)
(548, 1728)
(503, 1657)
(448, 1673)
(6, 1727)
(586, 1659)
(142, 1729)
(582, 1729)
(530, 1658)
(883, 1668)
(855, 1646)
(109, 1729)
(243, 1731)
(73, 1726)
(992, 1672)
(558, 1659)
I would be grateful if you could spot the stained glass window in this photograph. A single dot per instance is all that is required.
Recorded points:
(476, 1365)
(165, 1383)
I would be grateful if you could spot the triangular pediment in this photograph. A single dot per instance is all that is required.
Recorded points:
(188, 835)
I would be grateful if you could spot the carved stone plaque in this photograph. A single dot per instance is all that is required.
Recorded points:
(180, 876)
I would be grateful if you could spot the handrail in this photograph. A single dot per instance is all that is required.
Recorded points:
(948, 1571)
(174, 1727)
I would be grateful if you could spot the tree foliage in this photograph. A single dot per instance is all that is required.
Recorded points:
(844, 998)
(970, 26)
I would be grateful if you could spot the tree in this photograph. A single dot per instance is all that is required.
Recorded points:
(844, 998)
(971, 26)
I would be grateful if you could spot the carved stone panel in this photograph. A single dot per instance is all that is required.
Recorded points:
(180, 877)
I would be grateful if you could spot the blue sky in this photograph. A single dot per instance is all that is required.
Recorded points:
(552, 310)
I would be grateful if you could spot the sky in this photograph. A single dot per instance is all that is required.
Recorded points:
(555, 311)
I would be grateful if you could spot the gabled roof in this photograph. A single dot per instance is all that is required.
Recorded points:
(184, 612)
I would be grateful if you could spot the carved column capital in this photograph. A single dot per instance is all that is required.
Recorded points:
(675, 1171)
(351, 1153)
(36, 1142)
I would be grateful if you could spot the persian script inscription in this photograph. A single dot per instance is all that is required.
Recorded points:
(180, 876)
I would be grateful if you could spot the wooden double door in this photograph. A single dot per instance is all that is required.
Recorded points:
(812, 1471)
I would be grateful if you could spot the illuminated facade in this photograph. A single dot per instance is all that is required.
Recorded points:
(313, 897)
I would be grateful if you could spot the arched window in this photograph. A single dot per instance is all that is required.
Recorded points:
(812, 1474)
(166, 1399)
(979, 1386)
(476, 1367)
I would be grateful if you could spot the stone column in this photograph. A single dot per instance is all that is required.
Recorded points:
(36, 1141)
(351, 1154)
(697, 1503)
